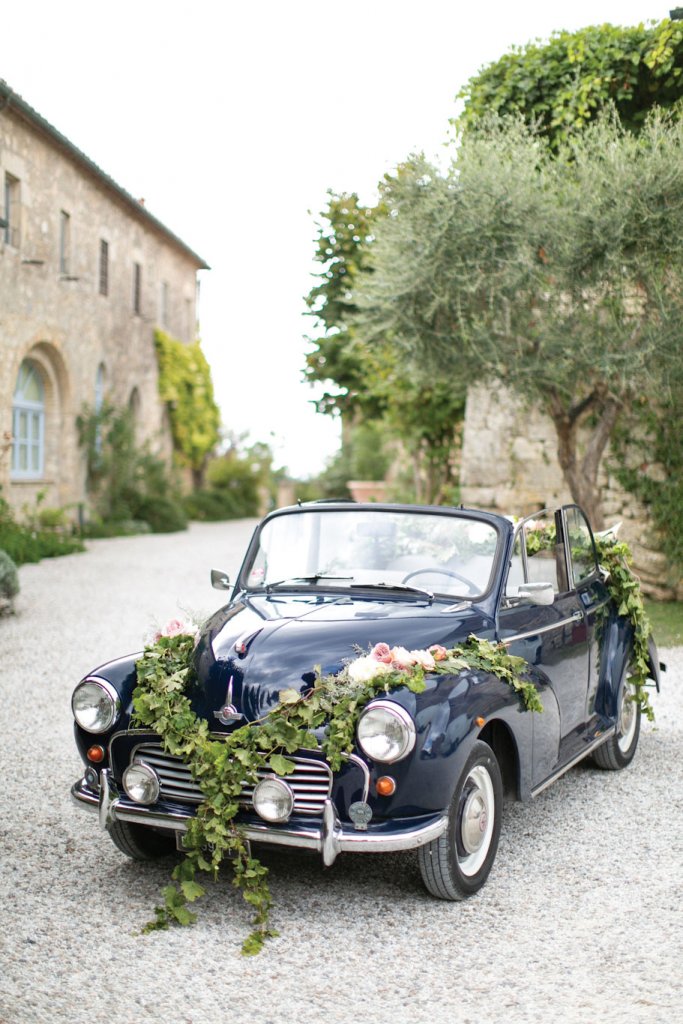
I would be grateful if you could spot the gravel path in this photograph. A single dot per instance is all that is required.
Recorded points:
(580, 919)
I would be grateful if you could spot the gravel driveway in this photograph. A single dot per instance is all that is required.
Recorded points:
(580, 919)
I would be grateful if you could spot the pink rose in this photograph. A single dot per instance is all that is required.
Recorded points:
(438, 652)
(425, 659)
(382, 652)
(174, 627)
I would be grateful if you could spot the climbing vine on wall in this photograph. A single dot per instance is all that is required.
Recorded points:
(185, 385)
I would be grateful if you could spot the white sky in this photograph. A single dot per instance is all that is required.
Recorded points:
(232, 120)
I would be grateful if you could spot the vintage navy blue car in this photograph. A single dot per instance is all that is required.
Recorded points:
(322, 582)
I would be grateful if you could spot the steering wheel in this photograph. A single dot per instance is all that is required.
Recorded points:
(470, 584)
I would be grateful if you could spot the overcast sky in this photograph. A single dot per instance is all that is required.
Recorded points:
(232, 121)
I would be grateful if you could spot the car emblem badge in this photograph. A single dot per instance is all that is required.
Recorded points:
(228, 713)
(360, 814)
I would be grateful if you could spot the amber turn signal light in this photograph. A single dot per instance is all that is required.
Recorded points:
(385, 786)
(95, 754)
(480, 721)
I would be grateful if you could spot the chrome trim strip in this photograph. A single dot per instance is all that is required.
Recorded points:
(575, 760)
(330, 840)
(108, 795)
(85, 797)
(366, 773)
(543, 629)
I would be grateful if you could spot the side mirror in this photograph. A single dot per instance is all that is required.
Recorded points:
(220, 580)
(537, 593)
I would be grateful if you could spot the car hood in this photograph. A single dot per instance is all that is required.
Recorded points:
(258, 646)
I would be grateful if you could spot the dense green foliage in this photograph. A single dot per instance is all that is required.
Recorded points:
(127, 484)
(323, 718)
(185, 385)
(559, 277)
(560, 85)
(41, 533)
(374, 388)
(236, 484)
(345, 234)
(649, 463)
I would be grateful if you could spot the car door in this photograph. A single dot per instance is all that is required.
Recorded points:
(552, 637)
(586, 582)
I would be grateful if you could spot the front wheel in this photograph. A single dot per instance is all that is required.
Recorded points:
(139, 842)
(458, 863)
(619, 750)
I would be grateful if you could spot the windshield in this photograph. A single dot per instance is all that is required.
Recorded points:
(444, 554)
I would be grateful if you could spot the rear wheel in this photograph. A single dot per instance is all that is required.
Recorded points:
(458, 863)
(619, 750)
(139, 842)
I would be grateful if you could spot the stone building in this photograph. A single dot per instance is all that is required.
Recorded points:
(509, 465)
(86, 275)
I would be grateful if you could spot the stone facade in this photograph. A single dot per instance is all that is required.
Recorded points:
(73, 306)
(509, 465)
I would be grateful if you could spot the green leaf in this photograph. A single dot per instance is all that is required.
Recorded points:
(192, 891)
(281, 765)
(289, 696)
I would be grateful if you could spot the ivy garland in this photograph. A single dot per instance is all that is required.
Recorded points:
(324, 718)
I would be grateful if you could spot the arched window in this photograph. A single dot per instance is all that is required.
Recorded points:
(28, 424)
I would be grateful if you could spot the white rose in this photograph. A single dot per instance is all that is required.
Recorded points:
(362, 670)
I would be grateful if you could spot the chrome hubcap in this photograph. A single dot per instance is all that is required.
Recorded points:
(476, 820)
(628, 717)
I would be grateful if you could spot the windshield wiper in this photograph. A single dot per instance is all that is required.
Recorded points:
(290, 580)
(403, 587)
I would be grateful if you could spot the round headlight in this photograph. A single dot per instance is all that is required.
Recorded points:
(273, 800)
(141, 783)
(386, 732)
(95, 705)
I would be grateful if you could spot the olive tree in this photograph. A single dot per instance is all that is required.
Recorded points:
(559, 275)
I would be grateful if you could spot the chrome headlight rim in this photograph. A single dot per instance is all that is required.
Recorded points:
(398, 714)
(150, 777)
(286, 792)
(114, 701)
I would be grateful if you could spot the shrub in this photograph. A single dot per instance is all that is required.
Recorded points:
(9, 583)
(127, 484)
(162, 513)
(32, 541)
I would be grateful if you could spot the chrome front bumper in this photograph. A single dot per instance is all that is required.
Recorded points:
(329, 838)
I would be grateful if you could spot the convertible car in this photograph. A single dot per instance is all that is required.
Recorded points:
(323, 583)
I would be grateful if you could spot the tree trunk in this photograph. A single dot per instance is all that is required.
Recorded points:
(580, 470)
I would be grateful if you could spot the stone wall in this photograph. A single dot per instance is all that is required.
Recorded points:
(509, 465)
(52, 311)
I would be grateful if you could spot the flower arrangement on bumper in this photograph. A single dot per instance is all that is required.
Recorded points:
(222, 765)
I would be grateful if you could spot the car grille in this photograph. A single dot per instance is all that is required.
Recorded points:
(311, 781)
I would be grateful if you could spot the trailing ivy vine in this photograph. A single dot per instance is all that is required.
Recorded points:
(323, 718)
(624, 588)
